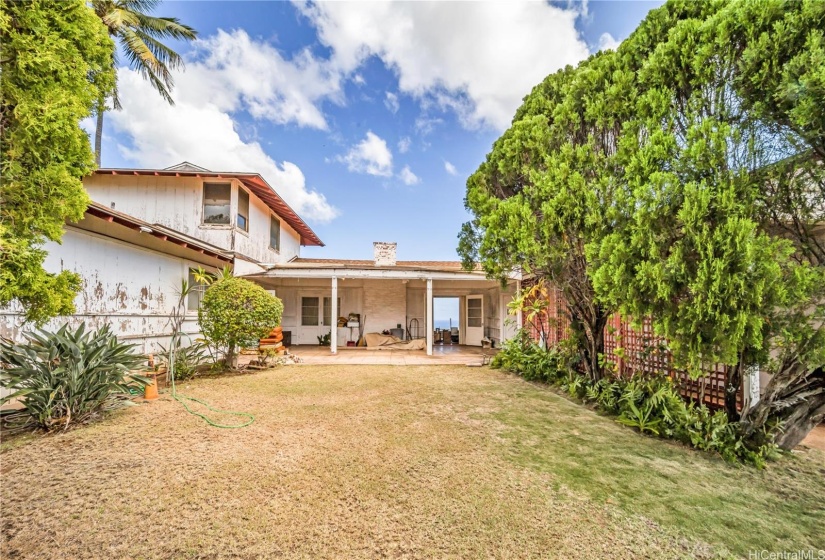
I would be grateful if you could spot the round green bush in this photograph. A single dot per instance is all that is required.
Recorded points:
(236, 313)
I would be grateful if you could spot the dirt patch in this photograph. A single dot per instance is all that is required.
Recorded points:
(816, 439)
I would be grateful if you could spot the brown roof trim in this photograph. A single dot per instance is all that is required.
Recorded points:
(163, 233)
(253, 181)
(365, 263)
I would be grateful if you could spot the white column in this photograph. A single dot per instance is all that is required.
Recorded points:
(333, 317)
(429, 316)
(519, 318)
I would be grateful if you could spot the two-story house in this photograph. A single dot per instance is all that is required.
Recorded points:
(147, 229)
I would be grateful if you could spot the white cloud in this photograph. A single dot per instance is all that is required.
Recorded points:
(371, 155)
(200, 129)
(425, 125)
(450, 168)
(476, 59)
(391, 102)
(404, 145)
(236, 72)
(359, 79)
(408, 177)
(607, 42)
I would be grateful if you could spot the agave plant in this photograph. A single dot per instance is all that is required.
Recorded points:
(67, 377)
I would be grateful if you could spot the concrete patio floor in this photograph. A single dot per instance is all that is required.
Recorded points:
(448, 354)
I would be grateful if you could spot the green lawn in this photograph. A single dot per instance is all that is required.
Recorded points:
(392, 461)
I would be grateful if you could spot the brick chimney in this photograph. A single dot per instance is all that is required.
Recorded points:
(384, 253)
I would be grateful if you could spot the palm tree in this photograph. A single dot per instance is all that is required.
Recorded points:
(140, 35)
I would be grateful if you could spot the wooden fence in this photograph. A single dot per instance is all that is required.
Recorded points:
(636, 351)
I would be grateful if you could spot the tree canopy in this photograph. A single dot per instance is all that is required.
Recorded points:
(678, 178)
(56, 62)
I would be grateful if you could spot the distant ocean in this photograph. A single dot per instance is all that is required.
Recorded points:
(444, 324)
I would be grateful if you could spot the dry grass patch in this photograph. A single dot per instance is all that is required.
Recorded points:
(341, 462)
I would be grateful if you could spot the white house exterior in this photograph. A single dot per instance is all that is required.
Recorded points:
(389, 295)
(147, 229)
(131, 274)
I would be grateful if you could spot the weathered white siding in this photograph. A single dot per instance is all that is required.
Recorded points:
(177, 203)
(127, 287)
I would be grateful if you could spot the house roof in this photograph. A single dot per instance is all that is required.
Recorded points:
(253, 181)
(442, 266)
(369, 262)
(156, 230)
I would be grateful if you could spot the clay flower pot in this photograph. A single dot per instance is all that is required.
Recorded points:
(150, 392)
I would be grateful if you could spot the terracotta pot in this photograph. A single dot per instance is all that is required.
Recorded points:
(150, 392)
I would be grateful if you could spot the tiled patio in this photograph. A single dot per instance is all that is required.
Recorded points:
(450, 354)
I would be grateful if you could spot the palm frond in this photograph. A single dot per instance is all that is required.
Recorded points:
(164, 28)
(139, 36)
(164, 55)
(142, 59)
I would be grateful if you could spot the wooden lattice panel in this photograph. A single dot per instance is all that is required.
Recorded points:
(642, 351)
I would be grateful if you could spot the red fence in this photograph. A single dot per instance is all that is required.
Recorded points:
(635, 351)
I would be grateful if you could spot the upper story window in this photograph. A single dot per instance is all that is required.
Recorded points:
(216, 203)
(275, 233)
(243, 210)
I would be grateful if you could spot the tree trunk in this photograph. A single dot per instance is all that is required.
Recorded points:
(231, 358)
(733, 384)
(590, 330)
(101, 108)
(795, 398)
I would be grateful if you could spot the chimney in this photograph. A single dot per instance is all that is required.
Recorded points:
(384, 253)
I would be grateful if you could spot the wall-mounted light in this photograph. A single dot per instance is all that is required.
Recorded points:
(145, 229)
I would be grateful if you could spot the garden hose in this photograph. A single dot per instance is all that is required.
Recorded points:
(183, 398)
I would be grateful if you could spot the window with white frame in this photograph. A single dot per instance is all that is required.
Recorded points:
(309, 311)
(243, 210)
(193, 300)
(216, 203)
(328, 311)
(196, 291)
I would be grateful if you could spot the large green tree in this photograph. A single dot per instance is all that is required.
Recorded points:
(781, 81)
(140, 35)
(698, 241)
(542, 193)
(680, 179)
(56, 62)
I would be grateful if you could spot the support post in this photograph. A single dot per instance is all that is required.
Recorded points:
(333, 317)
(519, 315)
(429, 316)
(752, 389)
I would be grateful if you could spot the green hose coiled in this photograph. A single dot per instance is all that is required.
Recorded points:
(183, 398)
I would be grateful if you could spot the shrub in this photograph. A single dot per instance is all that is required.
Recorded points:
(650, 404)
(67, 377)
(188, 359)
(235, 313)
(524, 357)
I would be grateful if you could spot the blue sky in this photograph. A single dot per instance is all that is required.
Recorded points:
(367, 117)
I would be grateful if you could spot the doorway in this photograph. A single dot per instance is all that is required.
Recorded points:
(446, 317)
